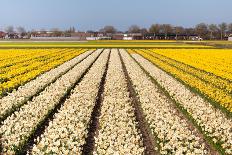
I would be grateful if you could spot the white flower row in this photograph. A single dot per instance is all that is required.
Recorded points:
(67, 132)
(17, 98)
(19, 126)
(118, 133)
(212, 121)
(173, 132)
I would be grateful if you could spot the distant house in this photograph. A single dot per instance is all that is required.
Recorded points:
(117, 36)
(12, 36)
(41, 34)
(2, 34)
(81, 35)
(133, 36)
(230, 37)
(98, 38)
(127, 37)
(196, 38)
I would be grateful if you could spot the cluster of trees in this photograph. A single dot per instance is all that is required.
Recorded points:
(22, 31)
(205, 31)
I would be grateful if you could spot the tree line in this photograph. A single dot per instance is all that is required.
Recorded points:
(203, 30)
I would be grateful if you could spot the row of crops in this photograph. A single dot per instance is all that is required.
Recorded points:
(18, 66)
(117, 101)
(209, 72)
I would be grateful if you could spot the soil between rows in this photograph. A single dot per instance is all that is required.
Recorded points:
(88, 147)
(43, 125)
(182, 113)
(149, 141)
(17, 108)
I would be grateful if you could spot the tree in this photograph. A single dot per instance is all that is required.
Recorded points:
(71, 30)
(9, 29)
(56, 32)
(229, 27)
(134, 29)
(213, 29)
(166, 29)
(155, 28)
(33, 32)
(223, 28)
(21, 30)
(108, 29)
(178, 30)
(143, 31)
(189, 32)
(201, 30)
(90, 31)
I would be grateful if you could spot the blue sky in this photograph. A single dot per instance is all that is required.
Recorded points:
(94, 14)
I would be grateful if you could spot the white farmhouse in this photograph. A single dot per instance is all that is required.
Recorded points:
(230, 38)
(127, 37)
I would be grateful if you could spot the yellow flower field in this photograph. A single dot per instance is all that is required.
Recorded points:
(207, 70)
(18, 66)
(147, 99)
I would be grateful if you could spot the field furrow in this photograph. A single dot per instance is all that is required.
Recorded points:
(11, 72)
(215, 81)
(149, 141)
(66, 134)
(12, 101)
(175, 136)
(31, 58)
(218, 61)
(117, 132)
(20, 126)
(213, 122)
(14, 78)
(220, 97)
(115, 97)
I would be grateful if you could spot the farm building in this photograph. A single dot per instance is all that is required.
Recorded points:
(133, 36)
(117, 36)
(161, 36)
(81, 35)
(11, 36)
(230, 38)
(2, 34)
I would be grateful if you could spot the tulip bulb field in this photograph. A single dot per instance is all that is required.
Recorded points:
(116, 101)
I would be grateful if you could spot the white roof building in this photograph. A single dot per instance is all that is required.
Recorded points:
(230, 37)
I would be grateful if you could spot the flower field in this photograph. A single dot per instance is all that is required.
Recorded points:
(208, 71)
(116, 101)
(17, 66)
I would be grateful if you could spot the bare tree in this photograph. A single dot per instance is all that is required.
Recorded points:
(56, 32)
(166, 29)
(201, 30)
(108, 29)
(90, 31)
(70, 30)
(33, 32)
(155, 28)
(189, 32)
(143, 31)
(213, 29)
(178, 30)
(230, 28)
(21, 30)
(134, 29)
(223, 28)
(9, 29)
